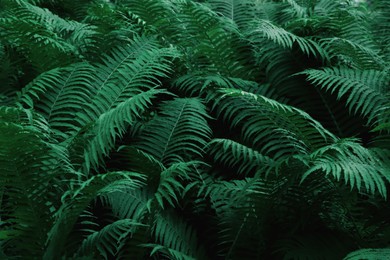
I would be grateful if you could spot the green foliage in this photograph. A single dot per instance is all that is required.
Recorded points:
(381, 253)
(183, 129)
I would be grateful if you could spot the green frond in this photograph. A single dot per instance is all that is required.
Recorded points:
(364, 89)
(240, 12)
(369, 253)
(197, 83)
(175, 239)
(113, 124)
(275, 129)
(169, 188)
(62, 41)
(238, 193)
(58, 95)
(278, 35)
(242, 207)
(179, 129)
(76, 200)
(128, 203)
(30, 174)
(233, 154)
(110, 239)
(139, 161)
(353, 54)
(350, 162)
(166, 23)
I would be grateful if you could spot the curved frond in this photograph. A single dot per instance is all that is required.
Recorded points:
(349, 161)
(281, 37)
(275, 129)
(365, 89)
(109, 239)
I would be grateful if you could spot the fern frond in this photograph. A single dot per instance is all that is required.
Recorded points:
(32, 173)
(120, 91)
(112, 124)
(175, 239)
(266, 29)
(169, 188)
(76, 200)
(240, 12)
(369, 253)
(349, 161)
(364, 88)
(178, 132)
(55, 41)
(275, 129)
(233, 154)
(352, 53)
(241, 207)
(110, 239)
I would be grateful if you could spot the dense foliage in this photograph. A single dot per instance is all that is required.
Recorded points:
(178, 129)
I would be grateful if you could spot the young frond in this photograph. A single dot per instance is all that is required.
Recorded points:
(179, 131)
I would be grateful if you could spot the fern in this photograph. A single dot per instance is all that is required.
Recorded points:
(181, 129)
(233, 154)
(188, 129)
(177, 240)
(108, 239)
(284, 38)
(348, 161)
(381, 253)
(75, 200)
(258, 115)
(363, 88)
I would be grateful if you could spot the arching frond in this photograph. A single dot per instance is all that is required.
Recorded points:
(120, 92)
(364, 89)
(277, 130)
(110, 239)
(349, 161)
(281, 37)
